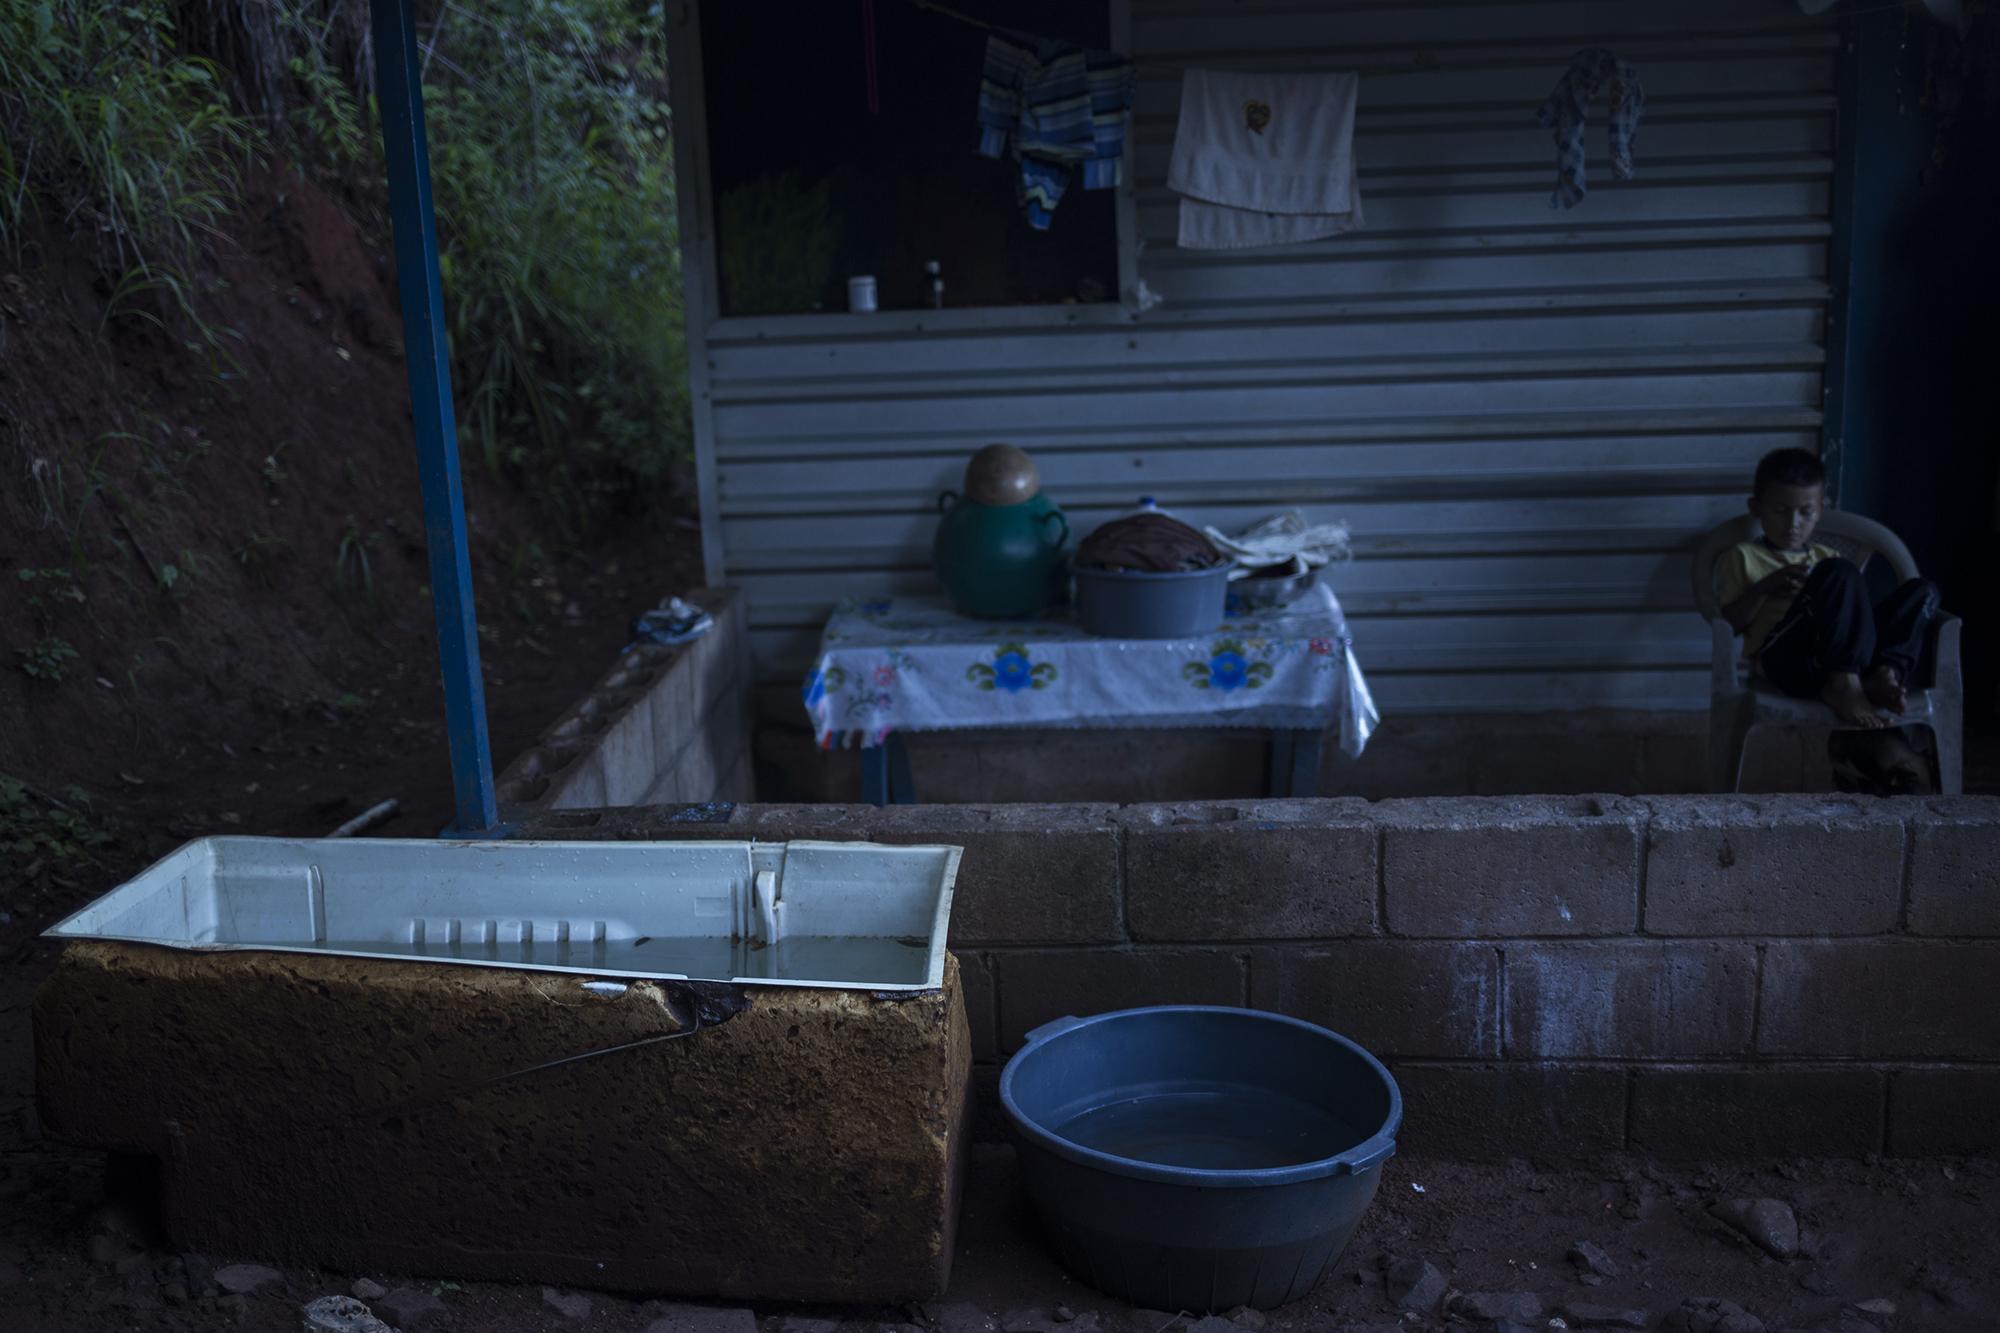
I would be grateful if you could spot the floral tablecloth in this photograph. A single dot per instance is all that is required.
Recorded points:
(912, 664)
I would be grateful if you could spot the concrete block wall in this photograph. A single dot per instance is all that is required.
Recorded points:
(1689, 976)
(664, 724)
(1438, 754)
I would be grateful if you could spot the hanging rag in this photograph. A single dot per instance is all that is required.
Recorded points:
(1264, 159)
(1563, 114)
(1055, 107)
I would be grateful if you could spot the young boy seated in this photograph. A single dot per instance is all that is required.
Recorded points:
(1803, 610)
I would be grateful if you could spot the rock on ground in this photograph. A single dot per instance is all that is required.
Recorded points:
(1523, 1306)
(1769, 1223)
(568, 1304)
(1414, 1284)
(242, 1279)
(367, 1289)
(1592, 1259)
(342, 1314)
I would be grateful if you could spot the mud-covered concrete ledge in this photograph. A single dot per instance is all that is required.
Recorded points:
(368, 1115)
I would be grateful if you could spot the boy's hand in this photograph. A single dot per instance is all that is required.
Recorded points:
(1785, 582)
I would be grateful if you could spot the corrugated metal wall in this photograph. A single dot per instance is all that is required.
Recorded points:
(1525, 414)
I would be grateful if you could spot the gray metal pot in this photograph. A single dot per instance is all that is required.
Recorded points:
(1137, 604)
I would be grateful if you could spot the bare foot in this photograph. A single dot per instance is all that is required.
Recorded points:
(1844, 695)
(1885, 689)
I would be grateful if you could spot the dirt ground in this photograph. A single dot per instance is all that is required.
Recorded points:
(231, 546)
(1885, 1245)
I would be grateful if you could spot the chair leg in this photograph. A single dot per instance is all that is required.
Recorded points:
(1729, 728)
(1948, 736)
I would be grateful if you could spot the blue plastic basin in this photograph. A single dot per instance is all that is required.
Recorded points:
(1187, 1157)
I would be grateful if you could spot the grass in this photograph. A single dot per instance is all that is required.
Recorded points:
(353, 570)
(552, 171)
(106, 129)
(552, 168)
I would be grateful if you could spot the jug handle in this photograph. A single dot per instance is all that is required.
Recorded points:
(946, 501)
(1056, 514)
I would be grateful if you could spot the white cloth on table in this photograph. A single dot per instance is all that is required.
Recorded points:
(1264, 159)
(913, 665)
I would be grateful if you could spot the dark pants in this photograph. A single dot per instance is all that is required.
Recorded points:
(1831, 628)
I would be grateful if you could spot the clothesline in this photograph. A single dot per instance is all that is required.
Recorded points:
(1420, 65)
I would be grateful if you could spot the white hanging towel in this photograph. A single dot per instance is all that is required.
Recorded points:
(1264, 159)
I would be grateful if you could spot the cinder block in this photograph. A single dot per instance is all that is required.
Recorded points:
(1040, 985)
(1944, 1112)
(1891, 999)
(716, 659)
(1486, 1111)
(1032, 874)
(739, 783)
(579, 784)
(630, 764)
(791, 770)
(1067, 764)
(1293, 869)
(675, 716)
(975, 977)
(705, 761)
(1774, 1111)
(1955, 867)
(1487, 868)
(1395, 997)
(1629, 1000)
(1674, 757)
(1773, 865)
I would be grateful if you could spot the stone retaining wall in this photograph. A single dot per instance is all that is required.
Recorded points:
(664, 724)
(1688, 976)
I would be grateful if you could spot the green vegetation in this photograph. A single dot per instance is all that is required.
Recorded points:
(50, 591)
(106, 129)
(44, 659)
(783, 236)
(353, 570)
(551, 168)
(36, 825)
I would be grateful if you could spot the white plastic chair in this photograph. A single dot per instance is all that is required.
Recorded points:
(1739, 703)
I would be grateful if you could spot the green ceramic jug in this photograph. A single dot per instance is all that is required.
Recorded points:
(1000, 561)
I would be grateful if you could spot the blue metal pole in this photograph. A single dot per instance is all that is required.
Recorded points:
(399, 89)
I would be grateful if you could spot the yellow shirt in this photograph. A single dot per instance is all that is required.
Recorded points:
(1744, 564)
